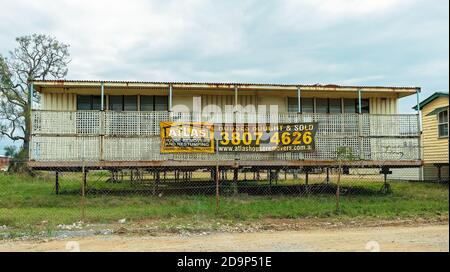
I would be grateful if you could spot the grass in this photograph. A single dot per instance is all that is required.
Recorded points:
(31, 202)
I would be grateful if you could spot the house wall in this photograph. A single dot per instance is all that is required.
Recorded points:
(430, 172)
(405, 174)
(58, 99)
(383, 105)
(435, 149)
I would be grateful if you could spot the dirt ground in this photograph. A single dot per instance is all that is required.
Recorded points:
(433, 237)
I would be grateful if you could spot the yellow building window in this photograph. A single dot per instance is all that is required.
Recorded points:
(443, 124)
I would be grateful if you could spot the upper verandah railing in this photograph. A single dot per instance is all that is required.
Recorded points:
(138, 123)
(134, 136)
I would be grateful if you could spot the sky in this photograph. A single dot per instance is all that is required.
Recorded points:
(353, 42)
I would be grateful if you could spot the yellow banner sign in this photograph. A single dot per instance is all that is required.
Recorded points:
(187, 137)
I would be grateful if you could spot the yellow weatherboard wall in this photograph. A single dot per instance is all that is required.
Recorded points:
(435, 149)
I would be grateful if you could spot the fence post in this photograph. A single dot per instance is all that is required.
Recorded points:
(216, 177)
(338, 183)
(235, 180)
(57, 182)
(307, 181)
(270, 176)
(82, 202)
(154, 182)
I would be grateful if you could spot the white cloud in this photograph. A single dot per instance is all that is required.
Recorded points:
(318, 14)
(381, 42)
(360, 80)
(433, 68)
(103, 33)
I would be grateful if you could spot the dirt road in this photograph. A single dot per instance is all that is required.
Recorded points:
(395, 238)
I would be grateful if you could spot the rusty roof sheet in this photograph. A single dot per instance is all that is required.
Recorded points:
(231, 84)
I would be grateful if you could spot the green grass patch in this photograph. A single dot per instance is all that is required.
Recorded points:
(30, 201)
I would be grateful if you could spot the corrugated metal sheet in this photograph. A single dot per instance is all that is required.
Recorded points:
(215, 84)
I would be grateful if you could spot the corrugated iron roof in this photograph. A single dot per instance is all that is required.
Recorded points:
(231, 84)
(430, 99)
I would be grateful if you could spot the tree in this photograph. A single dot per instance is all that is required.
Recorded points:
(35, 57)
(10, 151)
(15, 165)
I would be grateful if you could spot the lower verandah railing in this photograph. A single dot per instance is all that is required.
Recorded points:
(134, 136)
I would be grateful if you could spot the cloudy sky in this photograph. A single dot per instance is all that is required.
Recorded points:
(362, 42)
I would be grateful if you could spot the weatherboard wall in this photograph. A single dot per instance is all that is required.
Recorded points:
(66, 100)
(435, 149)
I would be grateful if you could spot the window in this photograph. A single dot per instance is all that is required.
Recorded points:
(365, 106)
(322, 105)
(443, 124)
(116, 102)
(335, 106)
(325, 105)
(154, 103)
(96, 102)
(147, 103)
(307, 105)
(84, 102)
(350, 106)
(130, 103)
(292, 104)
(123, 102)
(161, 103)
(88, 102)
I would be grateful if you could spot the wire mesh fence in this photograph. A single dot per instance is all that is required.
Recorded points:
(62, 195)
(227, 181)
(112, 163)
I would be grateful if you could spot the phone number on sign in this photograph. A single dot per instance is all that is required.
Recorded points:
(257, 138)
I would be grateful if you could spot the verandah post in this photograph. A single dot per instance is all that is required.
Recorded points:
(102, 121)
(30, 98)
(102, 96)
(418, 132)
(360, 142)
(170, 97)
(29, 127)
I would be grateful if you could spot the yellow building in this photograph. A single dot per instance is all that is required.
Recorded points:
(435, 136)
